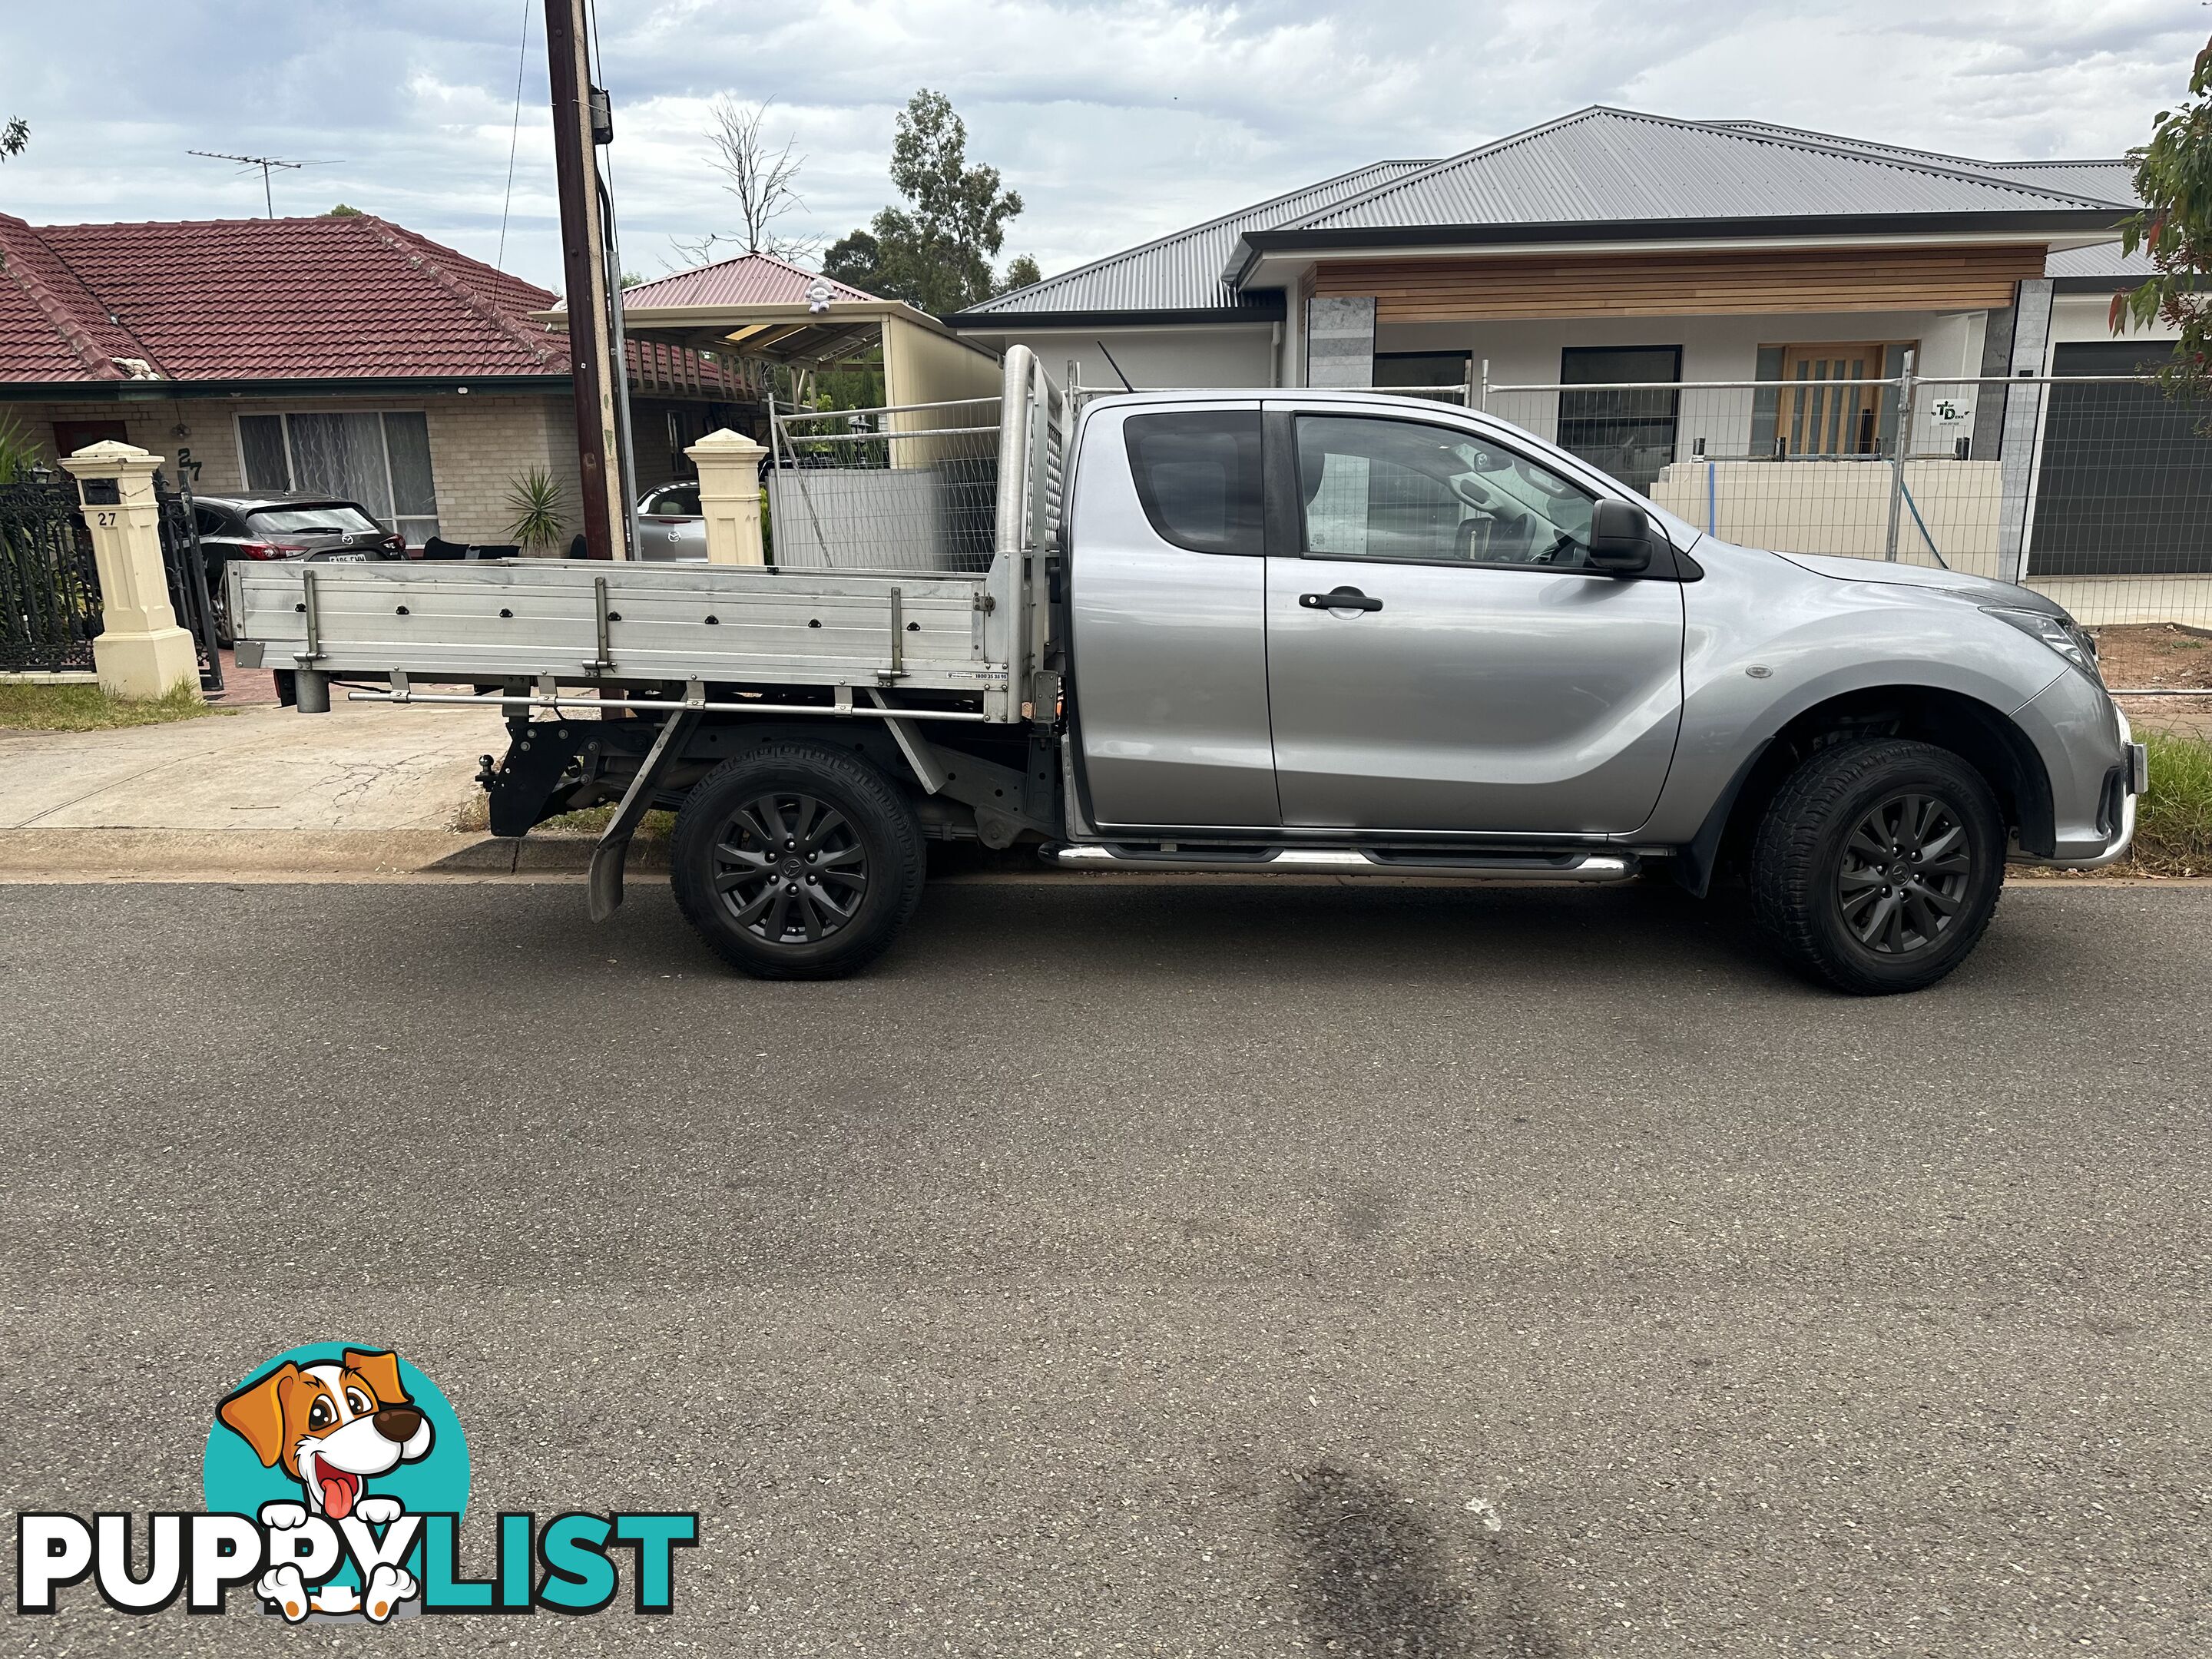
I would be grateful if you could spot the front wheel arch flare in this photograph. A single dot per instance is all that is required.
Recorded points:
(1980, 734)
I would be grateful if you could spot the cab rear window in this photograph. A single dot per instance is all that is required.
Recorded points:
(1198, 475)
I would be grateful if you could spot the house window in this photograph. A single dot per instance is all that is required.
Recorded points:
(1628, 433)
(1808, 413)
(382, 460)
(1422, 370)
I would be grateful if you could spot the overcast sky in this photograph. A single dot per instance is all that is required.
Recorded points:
(1117, 122)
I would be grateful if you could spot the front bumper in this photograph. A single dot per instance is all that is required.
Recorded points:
(2134, 778)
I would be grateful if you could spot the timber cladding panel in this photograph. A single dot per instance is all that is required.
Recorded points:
(1684, 284)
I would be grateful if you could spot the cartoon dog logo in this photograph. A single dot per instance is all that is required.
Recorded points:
(332, 1427)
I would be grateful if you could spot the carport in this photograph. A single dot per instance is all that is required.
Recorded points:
(760, 307)
(844, 485)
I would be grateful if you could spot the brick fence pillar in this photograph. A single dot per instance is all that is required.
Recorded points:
(141, 652)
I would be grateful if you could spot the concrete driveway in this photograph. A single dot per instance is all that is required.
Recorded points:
(359, 768)
(1153, 1269)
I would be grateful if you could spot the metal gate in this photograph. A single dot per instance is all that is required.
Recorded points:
(187, 569)
(50, 601)
(49, 586)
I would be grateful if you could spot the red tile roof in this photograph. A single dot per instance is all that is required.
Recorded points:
(323, 299)
(752, 279)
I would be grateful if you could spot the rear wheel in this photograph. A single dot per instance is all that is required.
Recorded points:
(796, 860)
(1877, 866)
(218, 609)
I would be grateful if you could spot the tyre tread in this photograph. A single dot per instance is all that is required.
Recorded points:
(1786, 883)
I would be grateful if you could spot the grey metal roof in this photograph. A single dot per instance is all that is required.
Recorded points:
(2110, 181)
(1180, 272)
(2102, 265)
(1602, 165)
(1596, 167)
(2107, 178)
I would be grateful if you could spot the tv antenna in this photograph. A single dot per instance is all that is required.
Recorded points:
(266, 163)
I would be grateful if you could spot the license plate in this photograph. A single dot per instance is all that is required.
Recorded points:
(339, 558)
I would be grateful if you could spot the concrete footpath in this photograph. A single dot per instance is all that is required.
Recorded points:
(362, 790)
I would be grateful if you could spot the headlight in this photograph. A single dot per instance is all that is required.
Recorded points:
(2061, 633)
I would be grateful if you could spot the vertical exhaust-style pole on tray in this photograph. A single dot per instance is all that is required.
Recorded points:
(583, 263)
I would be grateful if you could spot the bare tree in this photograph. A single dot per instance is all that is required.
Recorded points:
(761, 179)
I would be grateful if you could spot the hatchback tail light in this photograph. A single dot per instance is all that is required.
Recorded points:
(271, 550)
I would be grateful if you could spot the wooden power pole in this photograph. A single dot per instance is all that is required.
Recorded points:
(584, 266)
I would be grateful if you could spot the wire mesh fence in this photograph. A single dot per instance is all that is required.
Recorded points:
(909, 488)
(2096, 489)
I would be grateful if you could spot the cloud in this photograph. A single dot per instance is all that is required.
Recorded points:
(1117, 122)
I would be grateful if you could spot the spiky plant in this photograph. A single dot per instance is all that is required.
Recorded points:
(535, 501)
(19, 451)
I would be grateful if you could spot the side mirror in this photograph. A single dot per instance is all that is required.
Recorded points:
(1621, 539)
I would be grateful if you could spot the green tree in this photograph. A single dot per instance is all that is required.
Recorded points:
(935, 252)
(855, 260)
(343, 211)
(1021, 272)
(2173, 181)
(14, 136)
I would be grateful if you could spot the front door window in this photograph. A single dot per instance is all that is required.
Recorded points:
(1376, 489)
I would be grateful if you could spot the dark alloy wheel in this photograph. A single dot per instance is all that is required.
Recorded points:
(796, 860)
(790, 869)
(1905, 874)
(1877, 865)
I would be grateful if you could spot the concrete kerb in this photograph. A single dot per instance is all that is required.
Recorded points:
(129, 855)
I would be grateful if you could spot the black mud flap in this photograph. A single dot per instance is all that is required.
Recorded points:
(522, 785)
(609, 856)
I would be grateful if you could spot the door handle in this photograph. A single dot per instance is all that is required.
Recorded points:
(1341, 599)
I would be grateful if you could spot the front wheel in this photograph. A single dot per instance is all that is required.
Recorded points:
(796, 860)
(1877, 866)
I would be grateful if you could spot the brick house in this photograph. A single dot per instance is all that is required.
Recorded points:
(347, 355)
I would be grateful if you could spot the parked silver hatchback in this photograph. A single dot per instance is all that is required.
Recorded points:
(667, 526)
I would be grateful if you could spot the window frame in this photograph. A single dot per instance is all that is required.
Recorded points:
(435, 519)
(1287, 503)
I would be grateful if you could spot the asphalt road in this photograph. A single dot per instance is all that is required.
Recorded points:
(1146, 1269)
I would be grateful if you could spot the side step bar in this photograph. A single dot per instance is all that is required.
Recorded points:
(1592, 867)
